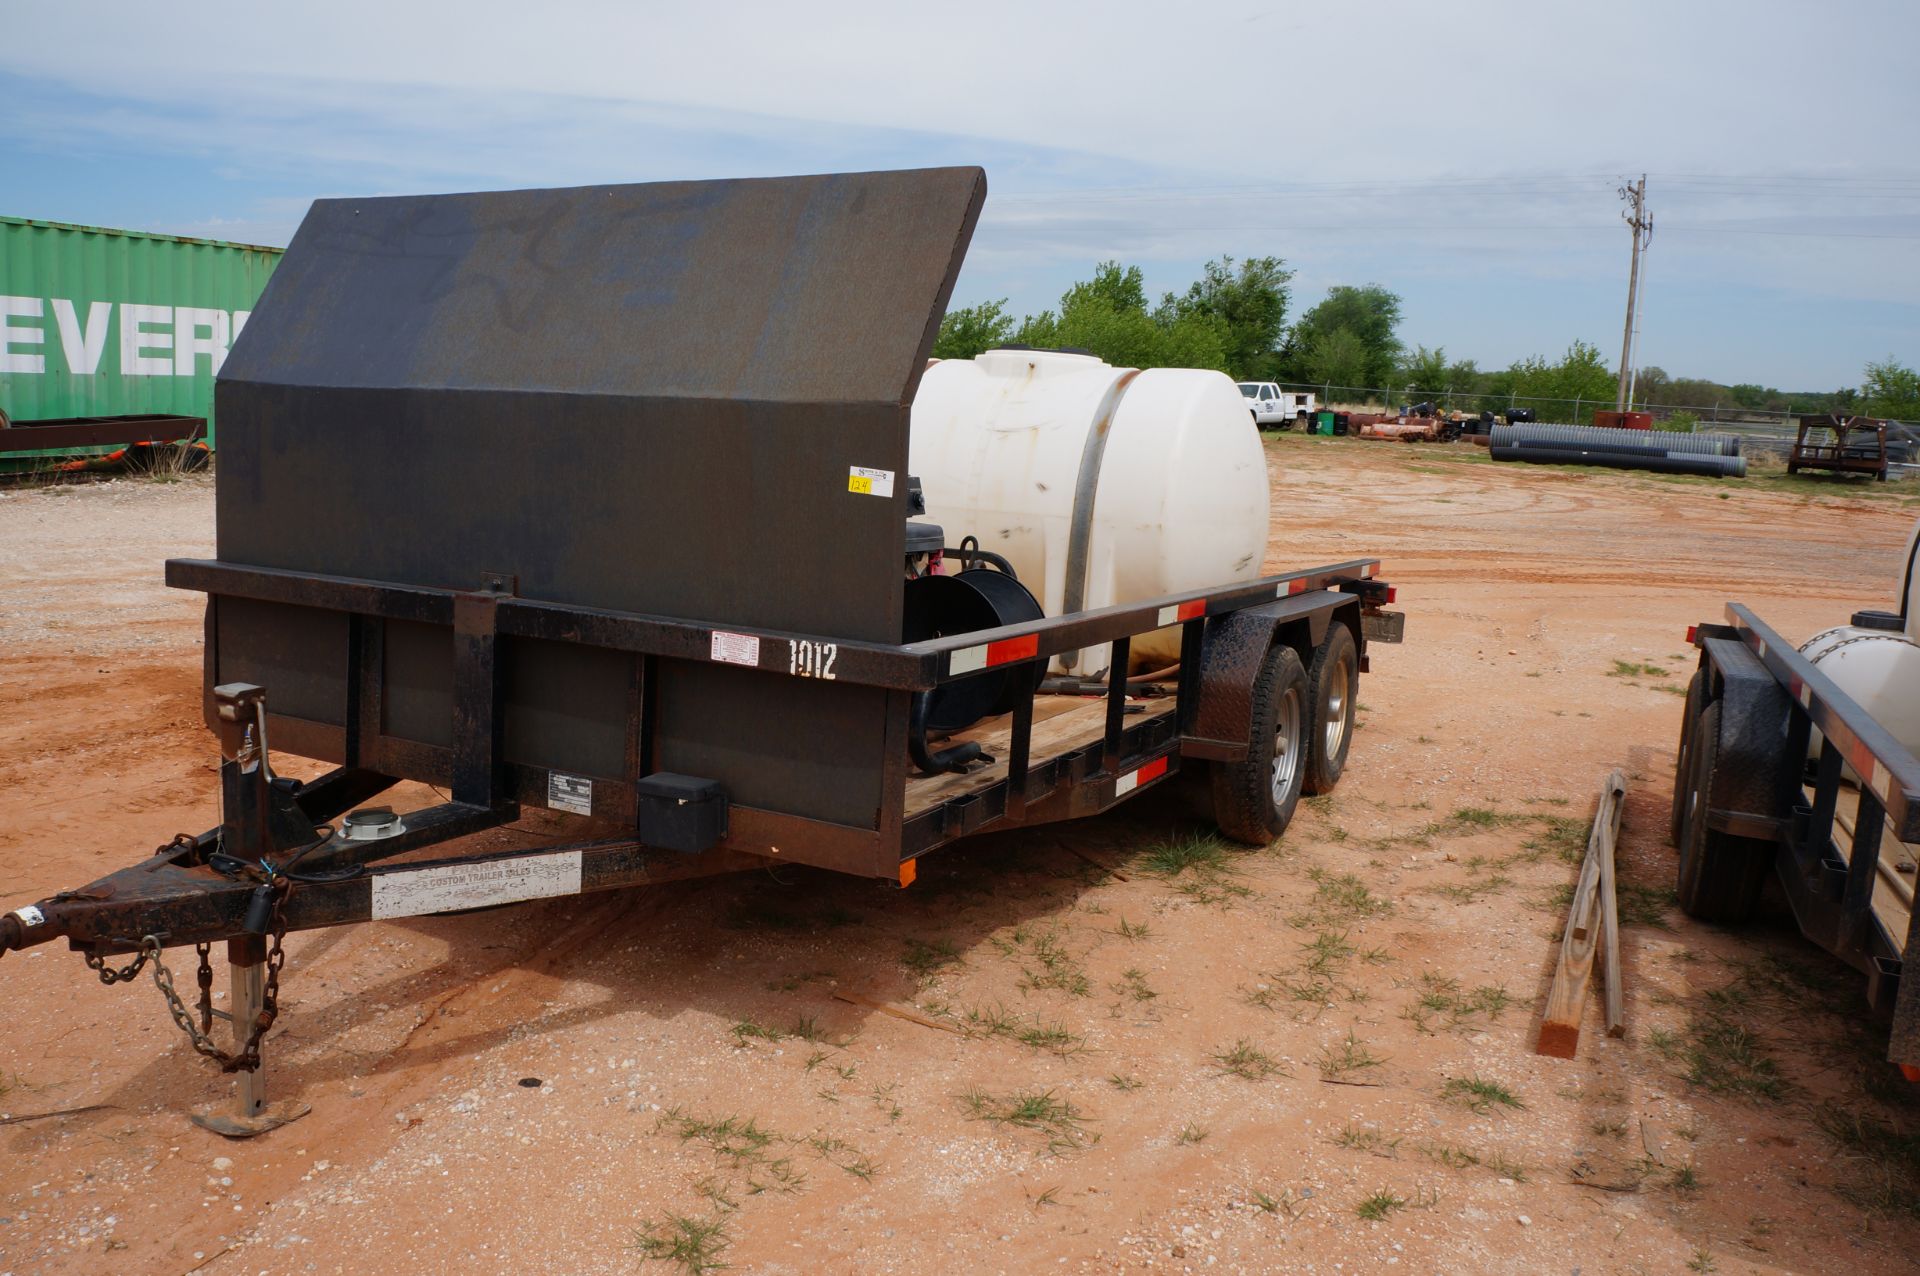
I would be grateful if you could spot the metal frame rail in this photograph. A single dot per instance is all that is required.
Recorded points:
(1832, 896)
(201, 889)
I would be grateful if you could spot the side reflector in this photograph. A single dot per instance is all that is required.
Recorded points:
(999, 653)
(909, 870)
(1134, 779)
(1392, 593)
(1693, 634)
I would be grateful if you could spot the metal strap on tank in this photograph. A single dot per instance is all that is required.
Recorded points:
(1080, 538)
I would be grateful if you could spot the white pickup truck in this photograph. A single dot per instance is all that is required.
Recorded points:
(1270, 405)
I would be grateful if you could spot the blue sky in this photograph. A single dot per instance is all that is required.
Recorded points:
(1466, 156)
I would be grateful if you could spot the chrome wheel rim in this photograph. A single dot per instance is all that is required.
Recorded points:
(1286, 747)
(1339, 708)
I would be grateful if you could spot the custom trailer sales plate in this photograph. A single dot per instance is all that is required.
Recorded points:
(451, 887)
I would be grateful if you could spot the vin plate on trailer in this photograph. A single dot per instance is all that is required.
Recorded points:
(570, 793)
(455, 886)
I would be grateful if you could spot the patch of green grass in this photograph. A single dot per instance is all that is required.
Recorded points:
(1366, 1140)
(1480, 1094)
(1133, 985)
(1125, 1083)
(1643, 905)
(1442, 998)
(747, 1030)
(1340, 898)
(1245, 1060)
(1887, 1156)
(1040, 1034)
(1198, 853)
(1702, 1260)
(1061, 1124)
(923, 959)
(1051, 966)
(1562, 836)
(1132, 930)
(1348, 1057)
(1726, 1058)
(1683, 1179)
(1452, 1157)
(1191, 1134)
(1628, 669)
(693, 1244)
(1377, 1206)
(1468, 892)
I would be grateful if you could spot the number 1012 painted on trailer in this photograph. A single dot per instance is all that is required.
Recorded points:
(809, 659)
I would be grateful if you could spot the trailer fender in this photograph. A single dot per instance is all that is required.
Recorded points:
(1231, 655)
(1758, 775)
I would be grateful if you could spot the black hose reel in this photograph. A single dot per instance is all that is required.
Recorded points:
(975, 599)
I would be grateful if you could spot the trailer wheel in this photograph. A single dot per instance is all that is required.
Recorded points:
(1720, 875)
(1333, 682)
(1683, 756)
(1254, 799)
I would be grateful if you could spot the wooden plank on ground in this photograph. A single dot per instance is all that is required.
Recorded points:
(1567, 995)
(1614, 999)
(898, 1012)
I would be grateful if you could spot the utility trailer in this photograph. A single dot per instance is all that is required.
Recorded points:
(1837, 824)
(594, 500)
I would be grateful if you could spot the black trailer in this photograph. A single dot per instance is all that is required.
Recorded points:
(595, 501)
(1838, 825)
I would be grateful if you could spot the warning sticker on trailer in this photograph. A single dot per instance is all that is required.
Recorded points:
(866, 482)
(736, 649)
(404, 893)
(570, 793)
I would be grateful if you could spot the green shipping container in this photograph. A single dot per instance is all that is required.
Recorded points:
(100, 322)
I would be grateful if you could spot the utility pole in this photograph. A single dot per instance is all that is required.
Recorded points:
(1642, 227)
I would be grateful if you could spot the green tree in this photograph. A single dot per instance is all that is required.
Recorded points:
(1336, 357)
(1581, 374)
(1891, 389)
(1248, 306)
(1370, 315)
(1424, 373)
(971, 330)
(1107, 316)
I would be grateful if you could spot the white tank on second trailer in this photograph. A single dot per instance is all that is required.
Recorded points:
(1879, 667)
(1100, 485)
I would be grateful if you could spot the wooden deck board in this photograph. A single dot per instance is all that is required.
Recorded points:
(1892, 892)
(1061, 724)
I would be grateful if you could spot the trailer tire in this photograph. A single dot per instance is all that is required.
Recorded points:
(1683, 756)
(1333, 683)
(1254, 798)
(1720, 875)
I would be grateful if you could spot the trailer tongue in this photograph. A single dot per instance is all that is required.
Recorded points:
(596, 501)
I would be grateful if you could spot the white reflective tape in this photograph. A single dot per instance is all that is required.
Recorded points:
(967, 659)
(1126, 784)
(30, 916)
(1168, 615)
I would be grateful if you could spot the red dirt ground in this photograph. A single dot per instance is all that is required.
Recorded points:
(1733, 1129)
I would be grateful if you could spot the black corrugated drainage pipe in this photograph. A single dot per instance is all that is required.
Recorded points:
(1713, 466)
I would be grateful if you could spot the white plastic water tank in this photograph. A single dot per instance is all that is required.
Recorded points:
(1879, 669)
(1101, 485)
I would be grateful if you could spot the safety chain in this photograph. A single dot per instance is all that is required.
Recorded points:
(110, 975)
(247, 1058)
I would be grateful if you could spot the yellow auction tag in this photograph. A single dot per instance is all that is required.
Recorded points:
(860, 483)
